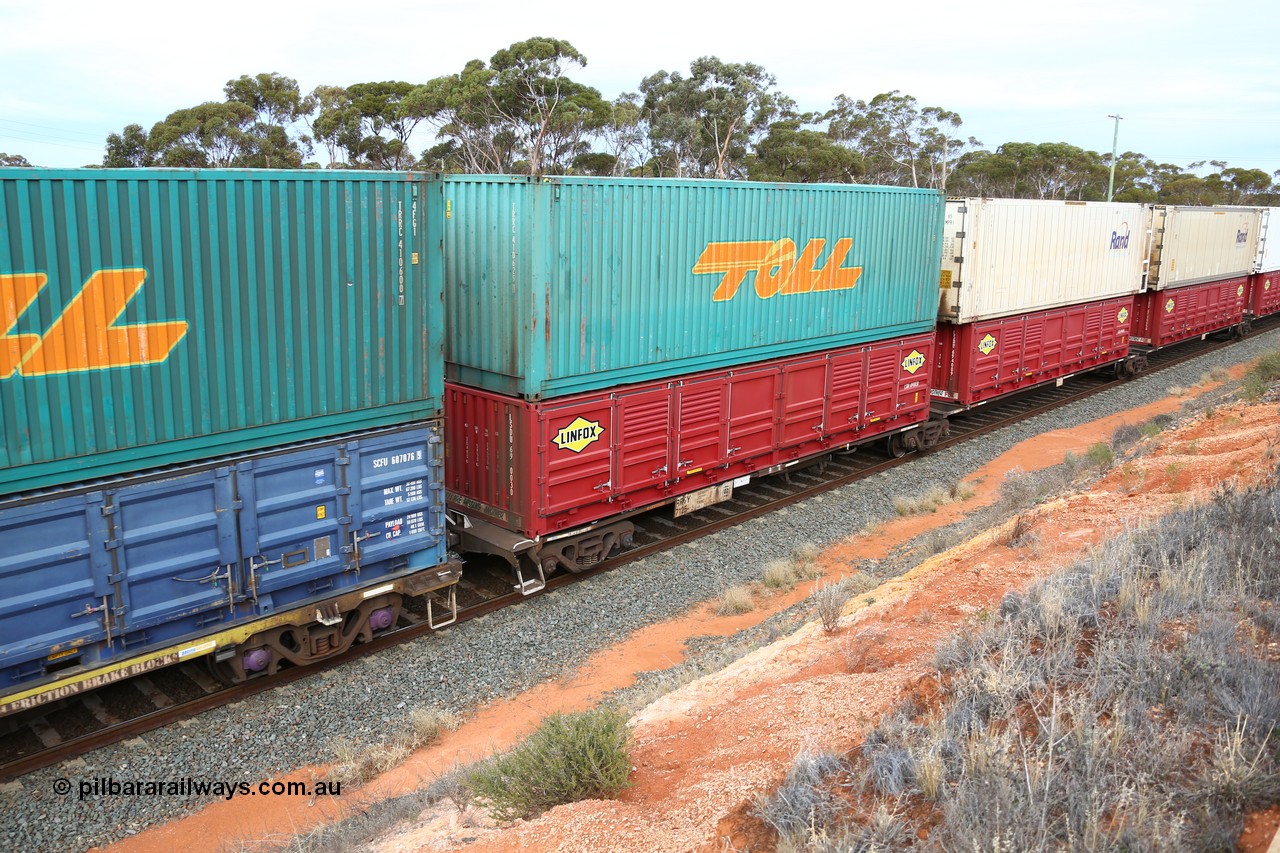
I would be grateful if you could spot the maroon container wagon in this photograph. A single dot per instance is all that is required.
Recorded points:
(987, 359)
(1264, 293)
(1164, 317)
(551, 484)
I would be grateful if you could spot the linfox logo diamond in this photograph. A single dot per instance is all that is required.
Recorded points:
(1123, 315)
(986, 345)
(578, 435)
(1168, 306)
(913, 362)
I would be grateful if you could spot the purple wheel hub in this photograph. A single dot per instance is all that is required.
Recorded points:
(381, 618)
(256, 660)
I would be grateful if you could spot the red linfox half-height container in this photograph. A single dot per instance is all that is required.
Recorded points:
(542, 468)
(1163, 317)
(1264, 292)
(981, 361)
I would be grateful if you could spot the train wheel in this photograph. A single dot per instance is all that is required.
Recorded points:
(897, 446)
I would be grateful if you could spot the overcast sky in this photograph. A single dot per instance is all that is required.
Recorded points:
(1193, 80)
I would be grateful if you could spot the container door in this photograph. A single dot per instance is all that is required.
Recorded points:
(642, 440)
(702, 421)
(292, 523)
(804, 402)
(753, 412)
(576, 458)
(175, 549)
(881, 385)
(845, 397)
(395, 500)
(1034, 350)
(54, 570)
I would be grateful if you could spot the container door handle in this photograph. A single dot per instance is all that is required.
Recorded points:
(656, 471)
(89, 610)
(600, 488)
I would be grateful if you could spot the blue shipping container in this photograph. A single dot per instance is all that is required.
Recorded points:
(93, 576)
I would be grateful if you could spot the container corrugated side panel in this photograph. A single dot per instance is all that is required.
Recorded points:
(571, 284)
(168, 316)
(1023, 255)
(1200, 244)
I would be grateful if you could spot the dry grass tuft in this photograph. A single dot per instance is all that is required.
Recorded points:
(735, 600)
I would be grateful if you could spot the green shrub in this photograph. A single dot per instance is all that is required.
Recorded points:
(571, 757)
(1101, 455)
(1262, 374)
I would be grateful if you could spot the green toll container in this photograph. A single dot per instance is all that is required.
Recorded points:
(555, 286)
(154, 317)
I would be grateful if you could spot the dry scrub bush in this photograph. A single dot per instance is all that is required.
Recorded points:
(805, 802)
(829, 601)
(779, 574)
(735, 600)
(1129, 702)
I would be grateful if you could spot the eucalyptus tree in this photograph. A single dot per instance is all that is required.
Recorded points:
(336, 124)
(519, 111)
(625, 135)
(128, 149)
(899, 142)
(211, 135)
(389, 113)
(792, 152)
(704, 125)
(279, 104)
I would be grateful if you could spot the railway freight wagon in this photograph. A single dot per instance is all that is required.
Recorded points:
(614, 345)
(1033, 291)
(220, 396)
(1198, 273)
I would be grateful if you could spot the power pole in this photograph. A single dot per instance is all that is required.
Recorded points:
(1111, 182)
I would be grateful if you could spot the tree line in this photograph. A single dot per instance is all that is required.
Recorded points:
(521, 112)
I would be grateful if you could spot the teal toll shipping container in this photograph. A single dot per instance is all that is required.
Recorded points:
(156, 317)
(560, 285)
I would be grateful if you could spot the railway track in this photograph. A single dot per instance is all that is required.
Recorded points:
(129, 708)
